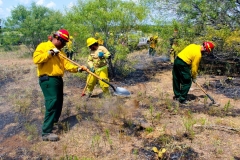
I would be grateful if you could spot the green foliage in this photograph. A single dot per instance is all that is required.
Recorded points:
(219, 36)
(107, 134)
(95, 145)
(32, 131)
(72, 157)
(200, 20)
(149, 129)
(133, 40)
(135, 151)
(188, 122)
(32, 25)
(11, 38)
(121, 63)
(227, 106)
(116, 16)
(22, 105)
(165, 139)
(111, 15)
(232, 43)
(203, 13)
(194, 20)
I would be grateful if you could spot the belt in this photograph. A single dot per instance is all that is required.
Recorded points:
(50, 76)
(55, 76)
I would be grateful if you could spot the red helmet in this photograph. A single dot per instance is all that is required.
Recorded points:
(209, 46)
(62, 33)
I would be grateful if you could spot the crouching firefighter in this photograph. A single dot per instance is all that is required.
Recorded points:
(97, 63)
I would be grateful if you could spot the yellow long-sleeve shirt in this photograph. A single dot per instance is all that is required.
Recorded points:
(51, 65)
(192, 56)
(95, 61)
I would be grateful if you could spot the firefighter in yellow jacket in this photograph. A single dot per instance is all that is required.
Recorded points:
(152, 45)
(50, 70)
(69, 48)
(174, 48)
(185, 69)
(97, 62)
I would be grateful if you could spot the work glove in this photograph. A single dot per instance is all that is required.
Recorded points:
(92, 69)
(100, 54)
(194, 80)
(109, 57)
(82, 68)
(53, 51)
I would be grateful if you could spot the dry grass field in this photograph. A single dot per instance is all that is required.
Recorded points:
(124, 128)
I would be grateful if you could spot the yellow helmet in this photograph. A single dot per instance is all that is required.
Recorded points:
(91, 41)
(155, 37)
(96, 34)
(71, 37)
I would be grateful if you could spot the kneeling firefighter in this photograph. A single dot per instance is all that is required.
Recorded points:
(97, 62)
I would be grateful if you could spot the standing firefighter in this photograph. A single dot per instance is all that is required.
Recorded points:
(173, 46)
(50, 70)
(69, 48)
(185, 69)
(99, 38)
(152, 45)
(173, 50)
(97, 61)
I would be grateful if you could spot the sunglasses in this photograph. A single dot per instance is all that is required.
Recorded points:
(61, 40)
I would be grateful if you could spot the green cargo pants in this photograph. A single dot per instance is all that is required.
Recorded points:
(181, 79)
(151, 51)
(53, 94)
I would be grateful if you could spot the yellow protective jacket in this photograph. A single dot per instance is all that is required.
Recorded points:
(69, 46)
(95, 61)
(192, 56)
(153, 42)
(51, 65)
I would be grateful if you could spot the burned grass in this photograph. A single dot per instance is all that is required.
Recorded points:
(119, 127)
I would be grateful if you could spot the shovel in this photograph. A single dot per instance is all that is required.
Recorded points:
(119, 91)
(213, 102)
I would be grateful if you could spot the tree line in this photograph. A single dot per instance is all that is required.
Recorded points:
(195, 20)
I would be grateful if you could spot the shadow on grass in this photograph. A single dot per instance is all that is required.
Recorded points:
(77, 118)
